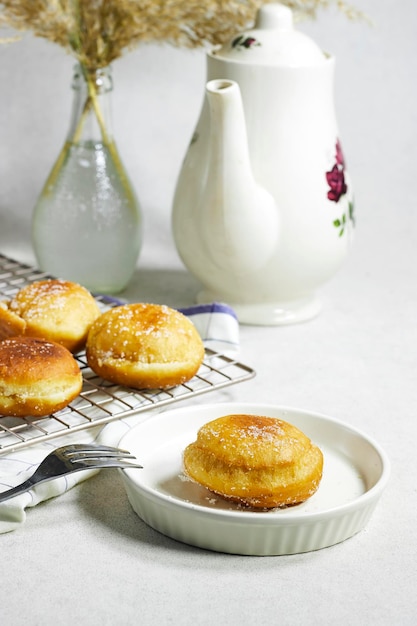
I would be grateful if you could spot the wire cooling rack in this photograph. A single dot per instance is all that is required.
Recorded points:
(101, 402)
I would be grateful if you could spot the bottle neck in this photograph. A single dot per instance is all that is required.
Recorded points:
(91, 110)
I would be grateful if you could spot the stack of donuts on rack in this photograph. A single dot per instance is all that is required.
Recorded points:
(49, 321)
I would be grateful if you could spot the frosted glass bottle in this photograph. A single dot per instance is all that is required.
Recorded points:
(87, 224)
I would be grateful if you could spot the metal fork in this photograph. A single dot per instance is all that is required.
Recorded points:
(73, 458)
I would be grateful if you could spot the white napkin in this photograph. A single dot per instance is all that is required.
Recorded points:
(218, 327)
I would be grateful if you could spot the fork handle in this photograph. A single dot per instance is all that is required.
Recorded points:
(15, 491)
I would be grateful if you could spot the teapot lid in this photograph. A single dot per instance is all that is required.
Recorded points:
(273, 41)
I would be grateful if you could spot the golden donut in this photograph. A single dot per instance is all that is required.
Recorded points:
(10, 323)
(56, 310)
(146, 346)
(257, 461)
(37, 377)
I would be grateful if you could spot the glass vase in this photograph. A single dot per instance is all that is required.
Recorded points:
(87, 224)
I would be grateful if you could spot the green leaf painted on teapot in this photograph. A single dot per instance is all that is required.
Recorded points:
(243, 41)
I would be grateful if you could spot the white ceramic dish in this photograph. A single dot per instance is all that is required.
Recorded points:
(356, 471)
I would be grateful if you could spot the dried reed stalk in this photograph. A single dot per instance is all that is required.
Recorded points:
(97, 32)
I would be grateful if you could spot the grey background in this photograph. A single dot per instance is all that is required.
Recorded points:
(86, 557)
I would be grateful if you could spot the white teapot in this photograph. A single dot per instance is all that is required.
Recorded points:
(263, 208)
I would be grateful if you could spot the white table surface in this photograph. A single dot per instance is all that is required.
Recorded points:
(86, 557)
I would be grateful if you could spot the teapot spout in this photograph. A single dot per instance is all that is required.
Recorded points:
(239, 224)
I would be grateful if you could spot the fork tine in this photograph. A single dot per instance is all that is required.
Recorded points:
(97, 454)
(83, 455)
(80, 451)
(85, 447)
(106, 462)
